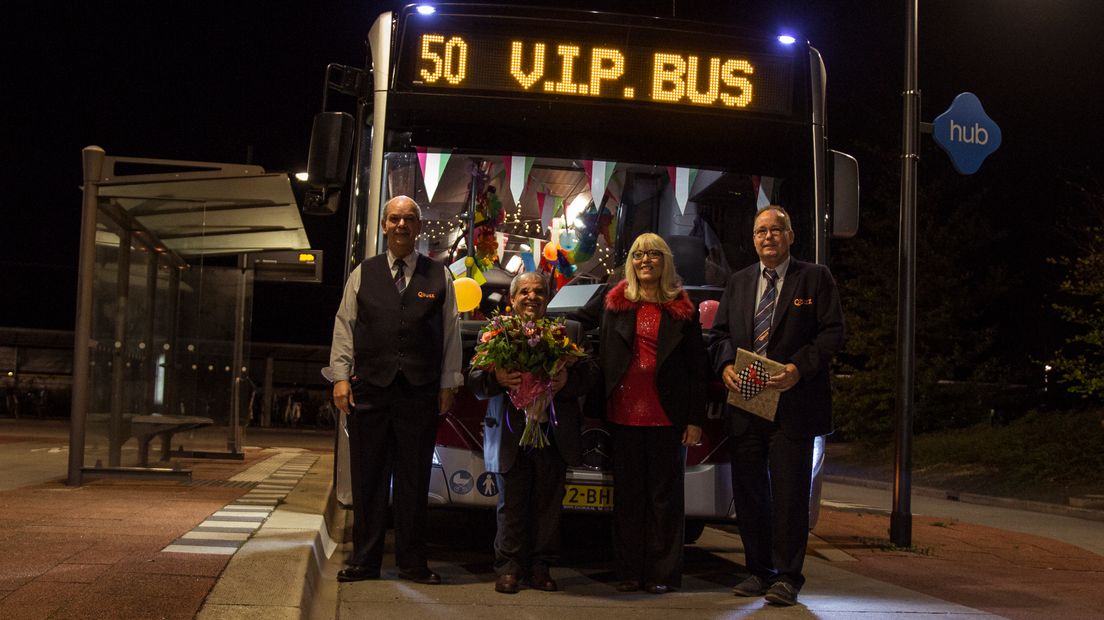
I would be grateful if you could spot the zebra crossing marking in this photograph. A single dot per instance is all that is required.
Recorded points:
(227, 529)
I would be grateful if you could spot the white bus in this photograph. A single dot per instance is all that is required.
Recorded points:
(548, 138)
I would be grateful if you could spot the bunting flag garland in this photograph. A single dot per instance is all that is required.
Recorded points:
(599, 174)
(432, 163)
(518, 168)
(682, 179)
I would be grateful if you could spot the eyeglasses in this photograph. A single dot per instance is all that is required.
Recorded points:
(773, 231)
(652, 254)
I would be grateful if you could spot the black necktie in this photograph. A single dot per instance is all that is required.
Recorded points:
(764, 312)
(400, 279)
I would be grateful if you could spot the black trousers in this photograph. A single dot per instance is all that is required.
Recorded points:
(648, 503)
(391, 437)
(771, 477)
(530, 500)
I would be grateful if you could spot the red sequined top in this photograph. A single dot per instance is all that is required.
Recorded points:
(636, 402)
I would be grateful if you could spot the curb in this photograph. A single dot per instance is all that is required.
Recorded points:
(975, 498)
(278, 573)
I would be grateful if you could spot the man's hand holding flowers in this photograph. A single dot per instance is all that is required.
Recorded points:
(529, 358)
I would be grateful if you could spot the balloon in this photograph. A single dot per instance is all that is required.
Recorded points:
(568, 239)
(707, 312)
(468, 294)
(550, 250)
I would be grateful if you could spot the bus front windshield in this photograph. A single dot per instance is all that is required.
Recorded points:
(575, 219)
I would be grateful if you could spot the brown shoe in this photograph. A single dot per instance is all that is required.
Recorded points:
(507, 584)
(541, 580)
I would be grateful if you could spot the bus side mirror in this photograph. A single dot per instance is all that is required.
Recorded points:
(845, 195)
(331, 145)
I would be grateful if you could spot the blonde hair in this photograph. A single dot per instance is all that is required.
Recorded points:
(670, 285)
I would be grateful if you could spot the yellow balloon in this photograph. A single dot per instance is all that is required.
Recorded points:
(468, 294)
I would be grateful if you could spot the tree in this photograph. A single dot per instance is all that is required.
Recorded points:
(1080, 362)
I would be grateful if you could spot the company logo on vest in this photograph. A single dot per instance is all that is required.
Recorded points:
(966, 133)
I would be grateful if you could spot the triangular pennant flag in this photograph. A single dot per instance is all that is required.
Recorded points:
(682, 179)
(762, 196)
(518, 168)
(549, 207)
(432, 163)
(477, 275)
(553, 207)
(598, 173)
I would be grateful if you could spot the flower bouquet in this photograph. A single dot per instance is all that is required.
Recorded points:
(538, 349)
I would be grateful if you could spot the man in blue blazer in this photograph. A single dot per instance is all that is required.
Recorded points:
(788, 311)
(530, 480)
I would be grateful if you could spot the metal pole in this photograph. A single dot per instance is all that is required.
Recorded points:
(233, 443)
(93, 157)
(900, 521)
(119, 398)
(473, 197)
(266, 405)
(149, 362)
(169, 406)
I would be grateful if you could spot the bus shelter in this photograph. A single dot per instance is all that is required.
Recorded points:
(163, 308)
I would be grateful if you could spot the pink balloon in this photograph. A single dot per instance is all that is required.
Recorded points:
(707, 311)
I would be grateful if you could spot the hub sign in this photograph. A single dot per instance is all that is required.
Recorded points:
(967, 133)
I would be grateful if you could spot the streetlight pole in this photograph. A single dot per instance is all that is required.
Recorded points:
(900, 521)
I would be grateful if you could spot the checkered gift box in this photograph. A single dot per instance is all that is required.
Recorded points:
(753, 378)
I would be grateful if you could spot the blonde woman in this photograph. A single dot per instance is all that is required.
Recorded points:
(654, 363)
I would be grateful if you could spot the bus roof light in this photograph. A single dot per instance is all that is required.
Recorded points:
(786, 39)
(425, 9)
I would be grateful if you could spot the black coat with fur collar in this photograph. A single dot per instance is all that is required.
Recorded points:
(681, 364)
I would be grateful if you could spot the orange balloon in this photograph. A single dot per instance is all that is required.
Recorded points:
(550, 251)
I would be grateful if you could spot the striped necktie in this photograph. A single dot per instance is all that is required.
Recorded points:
(400, 278)
(764, 312)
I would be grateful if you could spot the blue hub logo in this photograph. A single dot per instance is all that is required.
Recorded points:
(967, 133)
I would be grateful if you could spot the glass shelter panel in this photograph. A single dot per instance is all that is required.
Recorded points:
(165, 342)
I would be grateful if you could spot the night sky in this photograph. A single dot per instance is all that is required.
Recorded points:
(234, 80)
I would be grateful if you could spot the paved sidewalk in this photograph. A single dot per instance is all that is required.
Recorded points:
(133, 549)
(120, 549)
(1011, 574)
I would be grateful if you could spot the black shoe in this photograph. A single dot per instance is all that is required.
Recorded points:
(657, 588)
(782, 594)
(628, 586)
(421, 575)
(358, 573)
(752, 586)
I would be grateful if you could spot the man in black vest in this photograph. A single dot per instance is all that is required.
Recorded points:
(395, 359)
(789, 311)
(530, 480)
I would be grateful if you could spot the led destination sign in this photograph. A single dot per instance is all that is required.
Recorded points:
(590, 67)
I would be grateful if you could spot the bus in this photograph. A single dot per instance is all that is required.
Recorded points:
(543, 138)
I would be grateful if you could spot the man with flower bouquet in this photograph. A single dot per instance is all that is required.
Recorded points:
(533, 373)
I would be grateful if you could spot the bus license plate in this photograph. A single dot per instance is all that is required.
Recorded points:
(588, 497)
